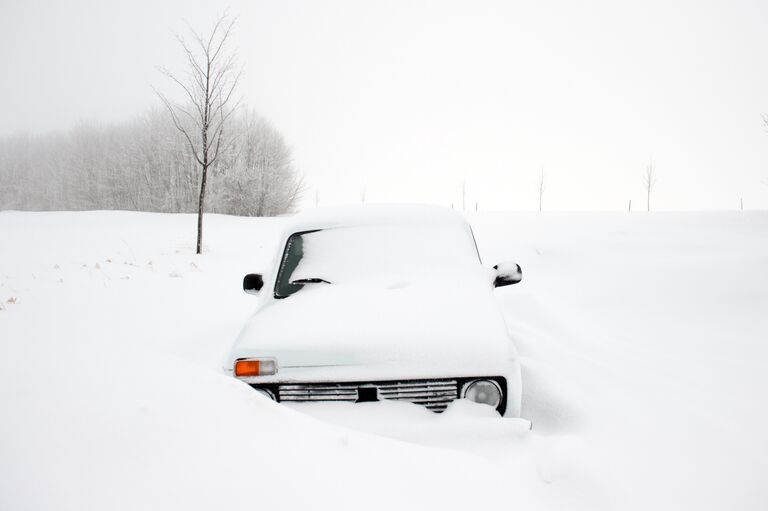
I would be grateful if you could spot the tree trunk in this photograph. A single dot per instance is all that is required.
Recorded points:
(200, 212)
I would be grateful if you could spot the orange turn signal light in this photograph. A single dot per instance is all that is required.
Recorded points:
(247, 367)
(255, 367)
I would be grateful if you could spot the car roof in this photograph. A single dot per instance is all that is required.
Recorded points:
(374, 214)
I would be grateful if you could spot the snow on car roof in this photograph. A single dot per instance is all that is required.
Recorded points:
(378, 214)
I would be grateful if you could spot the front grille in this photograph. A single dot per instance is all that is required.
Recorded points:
(434, 394)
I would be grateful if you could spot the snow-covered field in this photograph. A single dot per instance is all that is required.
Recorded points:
(644, 339)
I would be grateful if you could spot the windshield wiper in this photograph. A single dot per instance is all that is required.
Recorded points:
(312, 280)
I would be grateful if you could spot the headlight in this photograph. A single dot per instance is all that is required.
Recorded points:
(255, 367)
(486, 392)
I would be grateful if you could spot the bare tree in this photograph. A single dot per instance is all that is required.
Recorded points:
(209, 87)
(649, 180)
(542, 187)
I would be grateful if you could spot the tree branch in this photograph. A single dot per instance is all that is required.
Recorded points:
(178, 125)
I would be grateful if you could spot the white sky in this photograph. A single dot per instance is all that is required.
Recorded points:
(406, 99)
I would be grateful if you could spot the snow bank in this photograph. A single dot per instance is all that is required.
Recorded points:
(643, 339)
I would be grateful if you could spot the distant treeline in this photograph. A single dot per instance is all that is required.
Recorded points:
(146, 165)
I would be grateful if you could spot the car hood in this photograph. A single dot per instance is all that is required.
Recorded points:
(347, 332)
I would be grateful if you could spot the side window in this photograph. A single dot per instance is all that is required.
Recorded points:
(294, 251)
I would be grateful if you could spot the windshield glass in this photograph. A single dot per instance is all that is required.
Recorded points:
(386, 256)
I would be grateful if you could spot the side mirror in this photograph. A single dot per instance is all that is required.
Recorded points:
(507, 274)
(252, 283)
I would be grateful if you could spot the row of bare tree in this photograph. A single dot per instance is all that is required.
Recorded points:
(145, 165)
(649, 181)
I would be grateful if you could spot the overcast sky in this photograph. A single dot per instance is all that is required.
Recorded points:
(408, 99)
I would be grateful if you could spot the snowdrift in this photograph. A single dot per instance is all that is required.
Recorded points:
(643, 339)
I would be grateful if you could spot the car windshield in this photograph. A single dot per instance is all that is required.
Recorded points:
(386, 256)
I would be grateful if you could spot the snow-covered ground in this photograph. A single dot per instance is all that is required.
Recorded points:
(644, 339)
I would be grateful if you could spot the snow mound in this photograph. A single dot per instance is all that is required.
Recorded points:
(643, 375)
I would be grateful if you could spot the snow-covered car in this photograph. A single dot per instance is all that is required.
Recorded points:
(380, 303)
